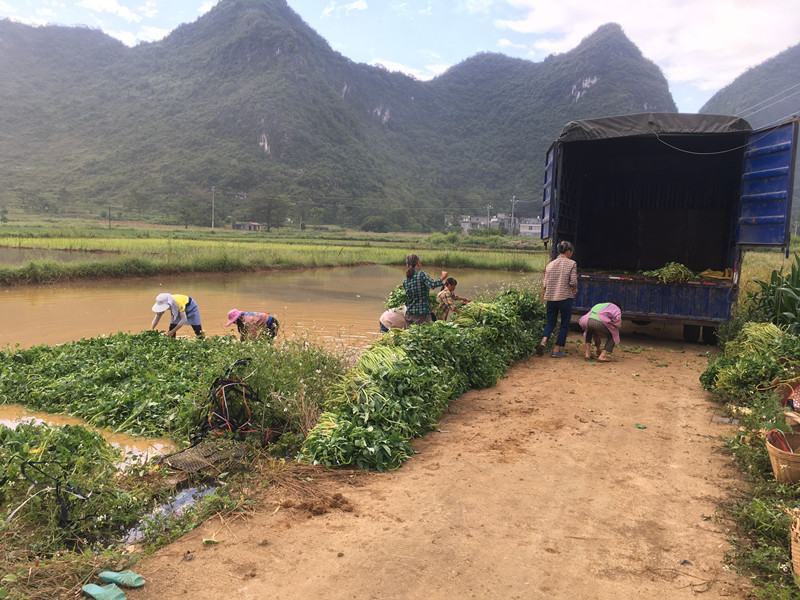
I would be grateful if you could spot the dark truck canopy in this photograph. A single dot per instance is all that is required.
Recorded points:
(650, 124)
(634, 192)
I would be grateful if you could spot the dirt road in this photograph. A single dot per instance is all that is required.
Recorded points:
(567, 480)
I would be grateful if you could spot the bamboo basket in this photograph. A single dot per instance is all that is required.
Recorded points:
(785, 465)
(795, 540)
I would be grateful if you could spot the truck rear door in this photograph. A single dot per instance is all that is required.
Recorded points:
(549, 199)
(766, 192)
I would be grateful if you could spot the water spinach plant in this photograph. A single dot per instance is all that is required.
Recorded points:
(400, 387)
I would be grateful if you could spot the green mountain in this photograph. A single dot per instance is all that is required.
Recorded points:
(251, 101)
(765, 95)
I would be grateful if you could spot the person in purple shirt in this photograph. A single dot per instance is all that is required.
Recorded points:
(601, 324)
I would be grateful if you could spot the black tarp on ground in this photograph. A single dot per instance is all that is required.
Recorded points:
(649, 124)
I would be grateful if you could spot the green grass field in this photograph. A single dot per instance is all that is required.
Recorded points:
(150, 251)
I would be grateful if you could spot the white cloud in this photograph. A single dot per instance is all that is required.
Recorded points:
(111, 7)
(427, 11)
(151, 34)
(507, 43)
(705, 44)
(144, 34)
(334, 7)
(476, 6)
(426, 73)
(126, 37)
(206, 6)
(149, 9)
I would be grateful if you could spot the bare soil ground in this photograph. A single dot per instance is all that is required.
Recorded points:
(541, 487)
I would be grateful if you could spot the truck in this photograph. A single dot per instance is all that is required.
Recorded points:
(635, 192)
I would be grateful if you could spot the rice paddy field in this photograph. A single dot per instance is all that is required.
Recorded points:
(122, 253)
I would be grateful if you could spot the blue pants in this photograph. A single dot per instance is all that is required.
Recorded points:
(554, 308)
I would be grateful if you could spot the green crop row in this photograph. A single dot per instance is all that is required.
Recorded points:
(149, 256)
(400, 387)
(149, 384)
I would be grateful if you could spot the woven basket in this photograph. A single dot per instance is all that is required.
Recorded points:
(785, 465)
(795, 539)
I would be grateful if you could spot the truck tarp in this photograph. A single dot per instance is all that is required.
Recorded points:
(647, 124)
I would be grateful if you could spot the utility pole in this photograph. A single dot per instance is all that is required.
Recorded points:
(513, 223)
(109, 216)
(488, 217)
(213, 199)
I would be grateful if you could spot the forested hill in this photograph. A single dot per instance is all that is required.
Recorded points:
(250, 100)
(764, 95)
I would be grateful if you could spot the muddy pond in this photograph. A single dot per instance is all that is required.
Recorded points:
(337, 307)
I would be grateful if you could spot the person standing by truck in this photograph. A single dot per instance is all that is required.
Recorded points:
(560, 285)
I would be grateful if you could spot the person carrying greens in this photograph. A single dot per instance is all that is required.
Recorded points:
(417, 286)
(183, 311)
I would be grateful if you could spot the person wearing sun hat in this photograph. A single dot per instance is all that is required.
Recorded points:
(253, 325)
(183, 311)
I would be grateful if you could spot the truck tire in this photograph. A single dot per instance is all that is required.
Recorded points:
(710, 336)
(691, 333)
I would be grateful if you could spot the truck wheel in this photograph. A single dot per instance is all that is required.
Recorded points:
(691, 333)
(710, 336)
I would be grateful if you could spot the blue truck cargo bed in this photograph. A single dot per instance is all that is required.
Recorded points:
(693, 302)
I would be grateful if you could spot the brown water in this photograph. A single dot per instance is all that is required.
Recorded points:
(20, 256)
(336, 307)
(138, 448)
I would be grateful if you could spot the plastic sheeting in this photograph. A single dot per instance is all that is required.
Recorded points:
(648, 124)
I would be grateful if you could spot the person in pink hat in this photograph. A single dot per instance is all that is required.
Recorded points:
(253, 325)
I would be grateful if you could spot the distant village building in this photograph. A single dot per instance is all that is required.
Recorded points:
(503, 222)
(471, 223)
(247, 226)
(530, 227)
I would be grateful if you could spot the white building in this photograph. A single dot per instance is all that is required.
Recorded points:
(530, 227)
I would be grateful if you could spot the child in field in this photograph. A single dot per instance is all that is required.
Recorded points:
(600, 324)
(253, 325)
(448, 302)
(183, 311)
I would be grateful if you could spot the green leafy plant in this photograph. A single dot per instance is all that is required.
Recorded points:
(672, 272)
(400, 387)
(779, 297)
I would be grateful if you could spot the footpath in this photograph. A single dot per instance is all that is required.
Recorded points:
(568, 479)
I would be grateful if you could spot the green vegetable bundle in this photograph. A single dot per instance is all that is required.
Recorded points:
(397, 298)
(761, 354)
(400, 387)
(672, 272)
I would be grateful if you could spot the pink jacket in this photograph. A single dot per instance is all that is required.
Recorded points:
(608, 314)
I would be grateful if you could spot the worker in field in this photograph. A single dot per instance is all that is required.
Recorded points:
(417, 286)
(601, 326)
(183, 310)
(560, 285)
(448, 302)
(253, 325)
(393, 318)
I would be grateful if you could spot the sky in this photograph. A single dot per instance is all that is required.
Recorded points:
(700, 45)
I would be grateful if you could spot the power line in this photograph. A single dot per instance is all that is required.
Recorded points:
(744, 110)
(766, 106)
